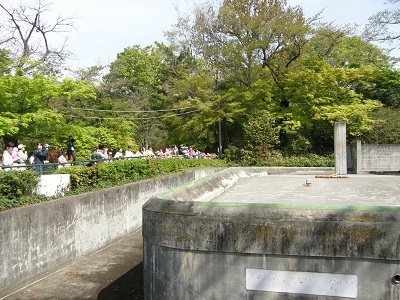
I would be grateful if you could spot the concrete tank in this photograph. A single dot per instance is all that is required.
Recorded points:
(248, 233)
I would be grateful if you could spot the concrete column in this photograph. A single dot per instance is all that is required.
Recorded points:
(340, 148)
(359, 158)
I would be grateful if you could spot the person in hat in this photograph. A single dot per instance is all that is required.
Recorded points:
(22, 154)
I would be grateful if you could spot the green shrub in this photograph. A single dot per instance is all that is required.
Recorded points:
(101, 175)
(17, 183)
(16, 188)
(245, 157)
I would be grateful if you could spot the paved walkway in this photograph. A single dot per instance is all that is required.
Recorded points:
(113, 272)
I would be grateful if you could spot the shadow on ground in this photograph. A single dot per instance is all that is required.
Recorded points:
(128, 286)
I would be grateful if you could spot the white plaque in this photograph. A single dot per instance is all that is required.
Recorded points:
(321, 284)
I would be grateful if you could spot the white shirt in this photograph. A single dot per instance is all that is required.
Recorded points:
(22, 155)
(102, 154)
(128, 153)
(62, 160)
(7, 159)
(118, 155)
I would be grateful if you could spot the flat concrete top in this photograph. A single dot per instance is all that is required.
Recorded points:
(356, 190)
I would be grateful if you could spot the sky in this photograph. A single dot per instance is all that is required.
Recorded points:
(104, 28)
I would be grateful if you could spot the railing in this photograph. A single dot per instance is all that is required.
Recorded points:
(50, 168)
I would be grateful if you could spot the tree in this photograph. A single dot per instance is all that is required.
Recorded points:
(382, 85)
(26, 33)
(245, 46)
(261, 133)
(386, 129)
(380, 26)
(5, 62)
(325, 94)
(242, 37)
(135, 80)
(342, 51)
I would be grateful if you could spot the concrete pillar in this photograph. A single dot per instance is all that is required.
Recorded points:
(340, 148)
(359, 158)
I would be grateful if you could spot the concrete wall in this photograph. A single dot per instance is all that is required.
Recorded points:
(40, 238)
(53, 185)
(219, 251)
(365, 158)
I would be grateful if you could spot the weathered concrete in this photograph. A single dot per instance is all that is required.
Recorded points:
(53, 185)
(112, 272)
(40, 238)
(366, 158)
(206, 249)
(340, 148)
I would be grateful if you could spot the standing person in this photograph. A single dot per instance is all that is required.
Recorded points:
(118, 154)
(71, 149)
(7, 158)
(39, 157)
(128, 152)
(102, 151)
(22, 154)
(62, 160)
(31, 158)
(14, 154)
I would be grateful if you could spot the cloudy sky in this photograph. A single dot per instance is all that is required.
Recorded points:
(104, 28)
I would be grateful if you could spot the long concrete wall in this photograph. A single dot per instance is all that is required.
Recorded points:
(212, 250)
(43, 237)
(365, 158)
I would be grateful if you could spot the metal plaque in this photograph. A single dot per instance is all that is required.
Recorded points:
(320, 284)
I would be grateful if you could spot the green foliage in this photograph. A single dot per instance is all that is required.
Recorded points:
(22, 95)
(386, 129)
(18, 183)
(311, 160)
(382, 85)
(326, 93)
(5, 62)
(245, 157)
(101, 175)
(226, 68)
(141, 67)
(334, 47)
(300, 145)
(261, 133)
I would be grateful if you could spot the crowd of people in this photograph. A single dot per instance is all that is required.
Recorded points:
(103, 153)
(16, 157)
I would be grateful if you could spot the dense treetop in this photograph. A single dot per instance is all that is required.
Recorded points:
(271, 79)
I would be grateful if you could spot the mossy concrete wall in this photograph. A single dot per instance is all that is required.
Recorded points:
(43, 237)
(203, 250)
(369, 158)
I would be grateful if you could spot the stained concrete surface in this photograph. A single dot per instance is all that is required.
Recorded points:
(354, 190)
(113, 272)
(116, 271)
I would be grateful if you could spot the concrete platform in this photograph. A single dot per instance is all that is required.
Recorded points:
(356, 190)
(260, 233)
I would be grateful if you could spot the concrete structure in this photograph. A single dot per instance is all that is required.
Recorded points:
(38, 239)
(243, 234)
(340, 148)
(53, 185)
(367, 158)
